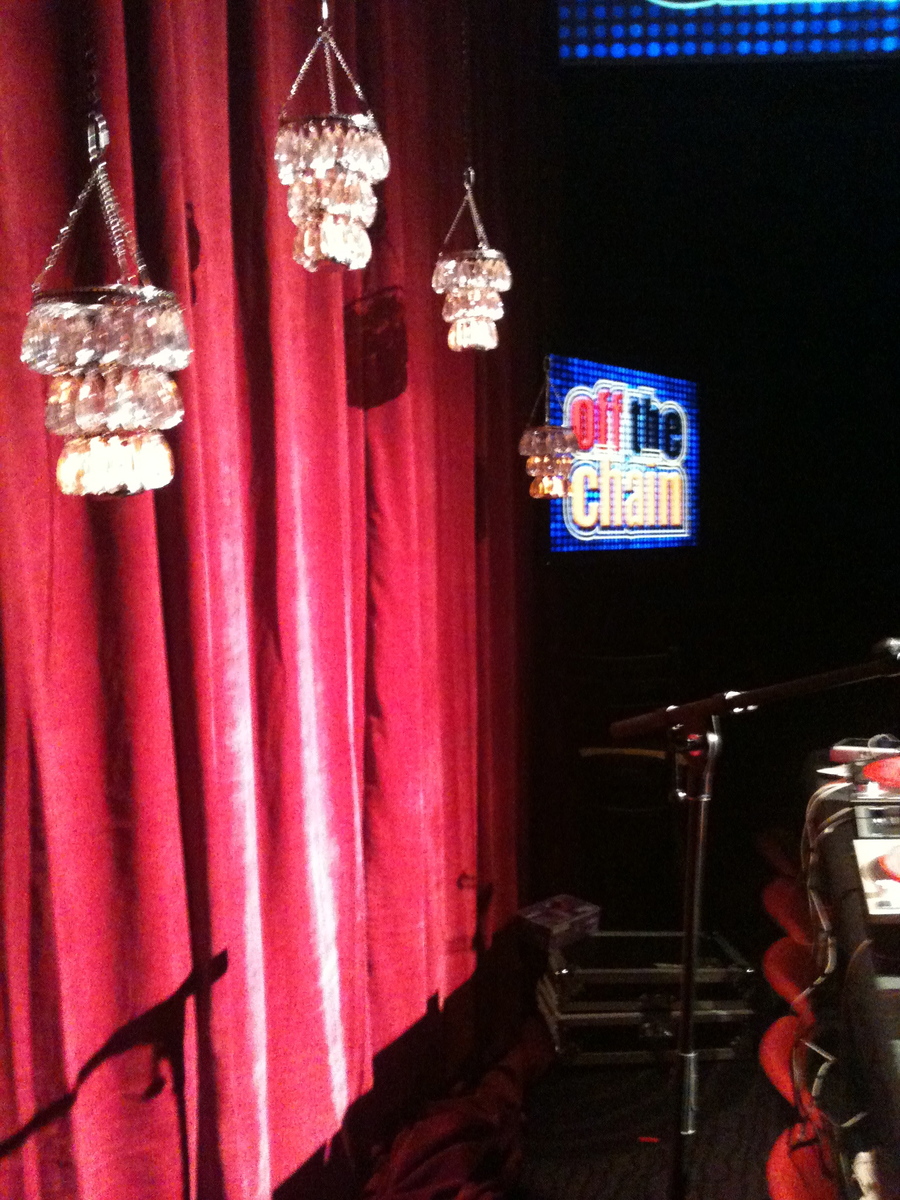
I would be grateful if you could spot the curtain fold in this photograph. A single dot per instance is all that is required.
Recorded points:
(243, 776)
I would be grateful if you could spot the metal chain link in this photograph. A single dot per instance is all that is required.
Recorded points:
(467, 84)
(333, 54)
(459, 213)
(476, 216)
(547, 390)
(468, 200)
(329, 71)
(356, 88)
(123, 238)
(130, 262)
(469, 173)
(92, 77)
(63, 235)
(300, 76)
(113, 220)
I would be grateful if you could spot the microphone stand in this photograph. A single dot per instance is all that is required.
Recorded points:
(694, 730)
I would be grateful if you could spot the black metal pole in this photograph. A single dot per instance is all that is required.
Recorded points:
(701, 751)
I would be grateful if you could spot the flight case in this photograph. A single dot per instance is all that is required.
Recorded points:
(613, 997)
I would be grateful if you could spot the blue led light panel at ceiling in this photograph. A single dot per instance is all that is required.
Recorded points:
(634, 477)
(668, 30)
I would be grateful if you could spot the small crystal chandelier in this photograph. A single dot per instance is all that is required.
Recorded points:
(549, 449)
(329, 164)
(109, 352)
(471, 282)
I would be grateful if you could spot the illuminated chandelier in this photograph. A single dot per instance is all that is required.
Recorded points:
(109, 352)
(549, 449)
(471, 282)
(329, 164)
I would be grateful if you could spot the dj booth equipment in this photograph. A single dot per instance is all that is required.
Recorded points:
(868, 949)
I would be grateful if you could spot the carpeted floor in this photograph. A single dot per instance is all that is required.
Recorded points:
(603, 1133)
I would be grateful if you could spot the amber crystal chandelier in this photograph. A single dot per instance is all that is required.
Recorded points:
(548, 450)
(329, 164)
(109, 352)
(471, 282)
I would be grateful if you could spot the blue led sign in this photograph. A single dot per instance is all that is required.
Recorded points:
(669, 30)
(633, 480)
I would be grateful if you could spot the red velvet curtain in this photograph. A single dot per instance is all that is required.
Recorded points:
(246, 809)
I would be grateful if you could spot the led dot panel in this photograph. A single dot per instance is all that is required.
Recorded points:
(667, 30)
(634, 477)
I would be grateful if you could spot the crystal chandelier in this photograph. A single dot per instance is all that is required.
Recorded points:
(548, 450)
(109, 352)
(329, 164)
(471, 282)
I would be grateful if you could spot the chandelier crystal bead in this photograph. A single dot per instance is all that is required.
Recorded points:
(549, 487)
(549, 441)
(125, 326)
(112, 399)
(114, 464)
(472, 333)
(473, 302)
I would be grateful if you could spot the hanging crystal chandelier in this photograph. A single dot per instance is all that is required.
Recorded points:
(549, 449)
(471, 282)
(109, 352)
(329, 164)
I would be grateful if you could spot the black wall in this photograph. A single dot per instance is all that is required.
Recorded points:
(737, 225)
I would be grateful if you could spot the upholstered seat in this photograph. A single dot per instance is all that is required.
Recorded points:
(799, 1167)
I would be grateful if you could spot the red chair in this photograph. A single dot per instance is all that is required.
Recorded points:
(800, 1167)
(780, 1052)
(786, 902)
(791, 970)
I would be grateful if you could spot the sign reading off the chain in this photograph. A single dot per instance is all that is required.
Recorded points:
(633, 480)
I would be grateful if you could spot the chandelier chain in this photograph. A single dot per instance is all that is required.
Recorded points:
(302, 73)
(468, 201)
(476, 216)
(63, 236)
(122, 235)
(360, 95)
(546, 390)
(465, 55)
(329, 72)
(92, 81)
(332, 52)
(130, 262)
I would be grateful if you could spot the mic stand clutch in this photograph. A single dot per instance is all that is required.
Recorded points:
(696, 738)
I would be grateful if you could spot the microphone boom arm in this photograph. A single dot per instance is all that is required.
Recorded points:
(696, 713)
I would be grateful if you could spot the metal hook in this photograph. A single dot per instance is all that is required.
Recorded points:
(469, 178)
(97, 136)
(326, 20)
